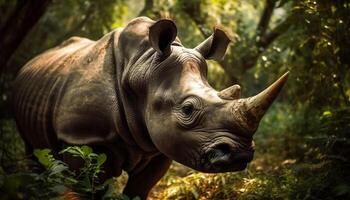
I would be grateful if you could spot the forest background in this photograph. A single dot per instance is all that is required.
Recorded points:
(302, 143)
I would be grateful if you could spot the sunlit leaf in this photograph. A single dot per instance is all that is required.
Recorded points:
(101, 159)
(86, 150)
(44, 157)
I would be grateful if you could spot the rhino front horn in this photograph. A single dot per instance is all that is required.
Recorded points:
(257, 105)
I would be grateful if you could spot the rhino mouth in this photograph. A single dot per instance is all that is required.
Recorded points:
(227, 157)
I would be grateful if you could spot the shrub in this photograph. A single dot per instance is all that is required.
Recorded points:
(58, 180)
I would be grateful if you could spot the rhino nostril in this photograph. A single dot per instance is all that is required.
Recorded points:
(224, 148)
(219, 154)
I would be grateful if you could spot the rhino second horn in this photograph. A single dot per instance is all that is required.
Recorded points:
(231, 93)
(257, 105)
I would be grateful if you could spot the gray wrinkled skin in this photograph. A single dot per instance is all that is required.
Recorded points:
(143, 99)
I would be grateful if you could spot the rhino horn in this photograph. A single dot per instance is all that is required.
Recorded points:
(231, 93)
(257, 105)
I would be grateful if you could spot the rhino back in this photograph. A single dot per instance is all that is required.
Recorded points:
(65, 90)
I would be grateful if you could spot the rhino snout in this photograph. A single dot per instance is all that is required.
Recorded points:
(224, 157)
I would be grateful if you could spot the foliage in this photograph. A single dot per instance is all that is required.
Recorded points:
(57, 179)
(303, 141)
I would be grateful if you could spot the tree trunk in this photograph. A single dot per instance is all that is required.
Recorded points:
(22, 19)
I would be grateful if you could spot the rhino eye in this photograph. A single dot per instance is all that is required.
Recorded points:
(189, 112)
(187, 109)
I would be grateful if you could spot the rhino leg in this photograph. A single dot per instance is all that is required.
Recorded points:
(141, 183)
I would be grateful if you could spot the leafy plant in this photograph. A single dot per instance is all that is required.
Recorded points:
(87, 176)
(58, 179)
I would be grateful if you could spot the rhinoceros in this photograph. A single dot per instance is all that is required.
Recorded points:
(138, 95)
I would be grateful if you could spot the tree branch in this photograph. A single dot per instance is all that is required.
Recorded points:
(249, 59)
(268, 38)
(193, 10)
(265, 18)
(265, 38)
(146, 8)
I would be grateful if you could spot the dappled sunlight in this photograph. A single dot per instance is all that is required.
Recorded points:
(249, 184)
(302, 144)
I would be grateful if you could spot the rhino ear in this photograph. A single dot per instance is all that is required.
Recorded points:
(215, 46)
(162, 34)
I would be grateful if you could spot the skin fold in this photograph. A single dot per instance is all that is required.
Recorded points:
(143, 99)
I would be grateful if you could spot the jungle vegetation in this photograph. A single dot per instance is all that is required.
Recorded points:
(302, 144)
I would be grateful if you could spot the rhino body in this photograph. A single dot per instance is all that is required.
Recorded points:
(142, 98)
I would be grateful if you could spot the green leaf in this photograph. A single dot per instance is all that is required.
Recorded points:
(44, 157)
(101, 158)
(75, 151)
(70, 181)
(327, 113)
(86, 150)
(86, 184)
(58, 169)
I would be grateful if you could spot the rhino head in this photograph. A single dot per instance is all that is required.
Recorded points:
(188, 120)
